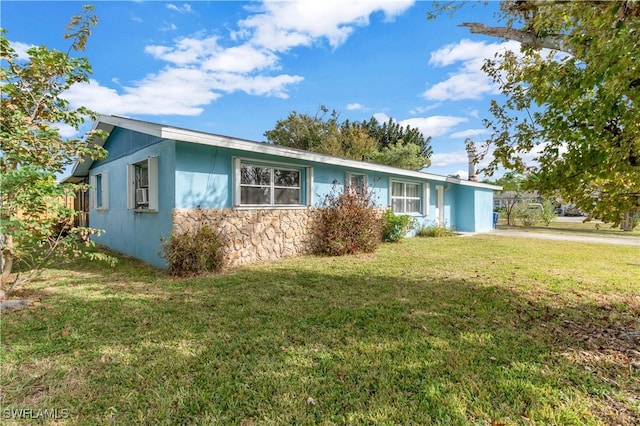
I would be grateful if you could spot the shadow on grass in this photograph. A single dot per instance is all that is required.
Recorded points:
(281, 345)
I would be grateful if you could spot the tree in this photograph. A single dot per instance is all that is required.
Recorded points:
(302, 131)
(513, 187)
(36, 225)
(391, 133)
(575, 107)
(389, 143)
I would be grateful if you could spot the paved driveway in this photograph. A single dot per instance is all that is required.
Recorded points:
(627, 241)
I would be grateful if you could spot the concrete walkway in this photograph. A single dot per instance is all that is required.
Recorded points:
(627, 241)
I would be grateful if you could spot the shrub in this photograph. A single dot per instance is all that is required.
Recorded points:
(193, 252)
(528, 213)
(348, 222)
(435, 231)
(395, 227)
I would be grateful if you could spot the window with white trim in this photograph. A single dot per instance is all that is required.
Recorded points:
(269, 185)
(142, 191)
(100, 191)
(405, 197)
(356, 182)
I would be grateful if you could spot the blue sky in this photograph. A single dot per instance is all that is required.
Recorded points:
(235, 68)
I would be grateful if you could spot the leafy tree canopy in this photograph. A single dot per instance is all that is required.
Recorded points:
(571, 101)
(35, 223)
(387, 143)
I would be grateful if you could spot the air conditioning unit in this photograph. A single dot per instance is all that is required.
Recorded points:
(142, 196)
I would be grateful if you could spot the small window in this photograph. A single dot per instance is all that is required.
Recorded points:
(405, 197)
(356, 182)
(99, 195)
(266, 185)
(143, 185)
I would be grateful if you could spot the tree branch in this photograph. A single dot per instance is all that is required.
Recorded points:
(554, 41)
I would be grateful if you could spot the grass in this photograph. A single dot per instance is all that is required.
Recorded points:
(452, 331)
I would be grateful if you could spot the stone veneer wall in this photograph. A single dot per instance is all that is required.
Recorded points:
(250, 235)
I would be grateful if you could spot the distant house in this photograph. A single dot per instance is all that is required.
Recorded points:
(159, 179)
(505, 199)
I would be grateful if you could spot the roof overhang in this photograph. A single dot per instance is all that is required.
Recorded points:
(81, 168)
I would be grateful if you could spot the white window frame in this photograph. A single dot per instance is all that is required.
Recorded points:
(440, 205)
(426, 200)
(305, 182)
(99, 195)
(405, 198)
(361, 185)
(136, 191)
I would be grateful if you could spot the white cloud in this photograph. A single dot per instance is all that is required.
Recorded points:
(259, 85)
(469, 133)
(179, 91)
(422, 110)
(355, 107)
(449, 158)
(21, 49)
(461, 86)
(436, 125)
(168, 26)
(240, 59)
(467, 50)
(468, 81)
(281, 26)
(185, 8)
(381, 117)
(185, 50)
(66, 131)
(173, 91)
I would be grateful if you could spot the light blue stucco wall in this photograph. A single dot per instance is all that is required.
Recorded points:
(204, 178)
(328, 178)
(135, 233)
(483, 210)
(474, 209)
(465, 218)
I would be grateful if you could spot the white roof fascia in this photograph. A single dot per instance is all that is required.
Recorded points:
(184, 135)
(265, 148)
(463, 182)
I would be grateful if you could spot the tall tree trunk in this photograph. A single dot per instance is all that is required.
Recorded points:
(628, 222)
(6, 263)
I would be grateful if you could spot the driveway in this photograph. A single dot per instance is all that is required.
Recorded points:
(627, 241)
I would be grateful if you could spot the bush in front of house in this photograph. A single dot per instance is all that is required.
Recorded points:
(348, 222)
(395, 226)
(193, 252)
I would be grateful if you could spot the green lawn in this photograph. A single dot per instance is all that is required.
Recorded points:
(467, 330)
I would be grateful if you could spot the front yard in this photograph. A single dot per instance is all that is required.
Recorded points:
(466, 330)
